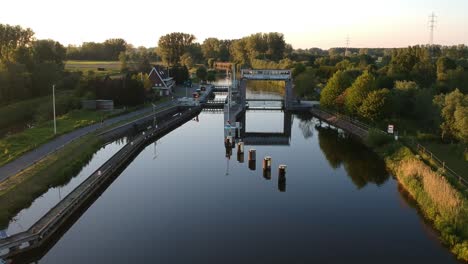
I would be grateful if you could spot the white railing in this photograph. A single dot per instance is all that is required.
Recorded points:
(266, 74)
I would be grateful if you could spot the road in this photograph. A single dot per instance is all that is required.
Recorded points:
(39, 153)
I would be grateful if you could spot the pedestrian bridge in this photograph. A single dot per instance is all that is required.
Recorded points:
(266, 75)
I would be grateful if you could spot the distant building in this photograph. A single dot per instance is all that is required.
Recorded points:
(161, 80)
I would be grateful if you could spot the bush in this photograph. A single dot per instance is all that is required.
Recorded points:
(426, 137)
(376, 138)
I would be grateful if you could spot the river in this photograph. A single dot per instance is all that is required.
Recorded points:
(184, 199)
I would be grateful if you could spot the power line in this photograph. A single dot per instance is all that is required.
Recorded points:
(347, 44)
(432, 25)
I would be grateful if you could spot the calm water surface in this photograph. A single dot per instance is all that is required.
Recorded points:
(183, 201)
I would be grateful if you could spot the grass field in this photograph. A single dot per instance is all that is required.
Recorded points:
(15, 145)
(108, 65)
(453, 155)
(20, 191)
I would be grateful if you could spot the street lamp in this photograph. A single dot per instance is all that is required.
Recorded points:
(53, 103)
(154, 115)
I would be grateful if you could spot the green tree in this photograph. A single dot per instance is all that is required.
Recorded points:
(202, 73)
(276, 46)
(11, 39)
(48, 50)
(123, 62)
(15, 82)
(113, 48)
(224, 53)
(239, 52)
(443, 65)
(454, 113)
(358, 91)
(374, 107)
(305, 83)
(172, 46)
(336, 85)
(211, 48)
(44, 76)
(406, 85)
(298, 69)
(186, 60)
(211, 76)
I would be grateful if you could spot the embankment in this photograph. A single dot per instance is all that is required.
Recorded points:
(439, 201)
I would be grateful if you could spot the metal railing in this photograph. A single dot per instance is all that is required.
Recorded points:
(440, 164)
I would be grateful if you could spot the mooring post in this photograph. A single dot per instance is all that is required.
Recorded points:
(252, 154)
(252, 159)
(267, 163)
(282, 178)
(240, 147)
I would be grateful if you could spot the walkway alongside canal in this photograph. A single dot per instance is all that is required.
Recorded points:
(351, 126)
(42, 151)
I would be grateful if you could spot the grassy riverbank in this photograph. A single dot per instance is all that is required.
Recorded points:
(442, 203)
(21, 190)
(13, 146)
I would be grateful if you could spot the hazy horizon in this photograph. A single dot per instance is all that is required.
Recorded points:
(370, 24)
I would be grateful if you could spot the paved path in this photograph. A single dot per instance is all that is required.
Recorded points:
(39, 153)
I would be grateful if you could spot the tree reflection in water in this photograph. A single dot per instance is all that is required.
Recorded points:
(306, 124)
(361, 164)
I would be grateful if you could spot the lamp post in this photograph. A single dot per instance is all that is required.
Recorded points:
(53, 103)
(154, 115)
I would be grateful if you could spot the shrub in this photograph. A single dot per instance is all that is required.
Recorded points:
(376, 138)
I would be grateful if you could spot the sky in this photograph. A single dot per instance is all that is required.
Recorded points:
(305, 23)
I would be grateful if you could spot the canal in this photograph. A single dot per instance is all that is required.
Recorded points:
(185, 199)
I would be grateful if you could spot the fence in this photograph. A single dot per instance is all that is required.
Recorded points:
(440, 164)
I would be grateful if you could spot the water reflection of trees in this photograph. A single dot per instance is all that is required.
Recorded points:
(361, 164)
(267, 86)
(306, 124)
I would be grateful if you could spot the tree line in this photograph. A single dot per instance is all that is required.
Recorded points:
(418, 88)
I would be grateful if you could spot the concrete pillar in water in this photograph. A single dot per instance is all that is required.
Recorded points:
(240, 147)
(267, 163)
(282, 178)
(240, 157)
(252, 159)
(267, 174)
(227, 142)
(252, 165)
(252, 154)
